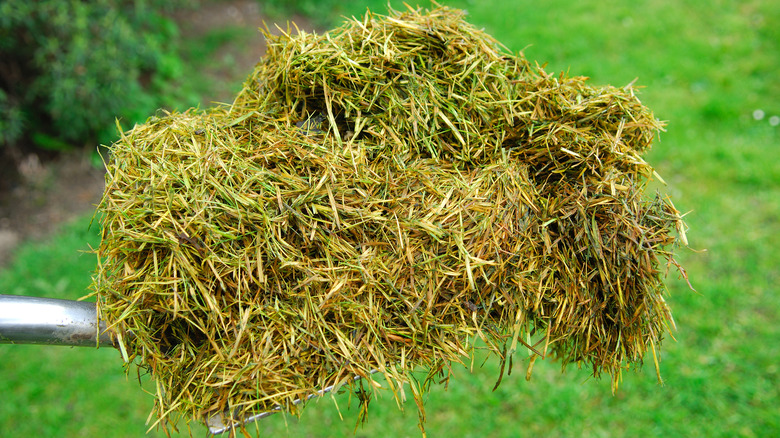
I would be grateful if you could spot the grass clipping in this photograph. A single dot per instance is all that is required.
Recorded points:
(374, 200)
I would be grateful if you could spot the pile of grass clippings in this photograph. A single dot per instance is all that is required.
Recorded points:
(376, 199)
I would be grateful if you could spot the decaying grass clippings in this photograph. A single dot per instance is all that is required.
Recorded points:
(375, 199)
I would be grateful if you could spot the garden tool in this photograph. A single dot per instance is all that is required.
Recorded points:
(51, 321)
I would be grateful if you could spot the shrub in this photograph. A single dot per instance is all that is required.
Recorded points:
(11, 123)
(70, 67)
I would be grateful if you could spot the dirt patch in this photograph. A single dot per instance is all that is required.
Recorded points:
(233, 61)
(42, 191)
(47, 193)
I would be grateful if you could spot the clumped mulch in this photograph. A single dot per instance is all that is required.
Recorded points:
(376, 199)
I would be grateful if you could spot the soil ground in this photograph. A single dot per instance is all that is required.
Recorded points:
(41, 192)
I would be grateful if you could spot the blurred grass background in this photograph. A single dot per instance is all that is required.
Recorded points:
(710, 69)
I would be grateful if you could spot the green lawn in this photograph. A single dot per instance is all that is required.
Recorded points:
(707, 68)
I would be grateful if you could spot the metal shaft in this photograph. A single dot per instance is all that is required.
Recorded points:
(33, 320)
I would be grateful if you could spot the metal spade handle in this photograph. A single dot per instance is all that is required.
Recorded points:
(50, 321)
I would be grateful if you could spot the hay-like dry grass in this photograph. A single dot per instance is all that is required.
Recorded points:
(375, 199)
